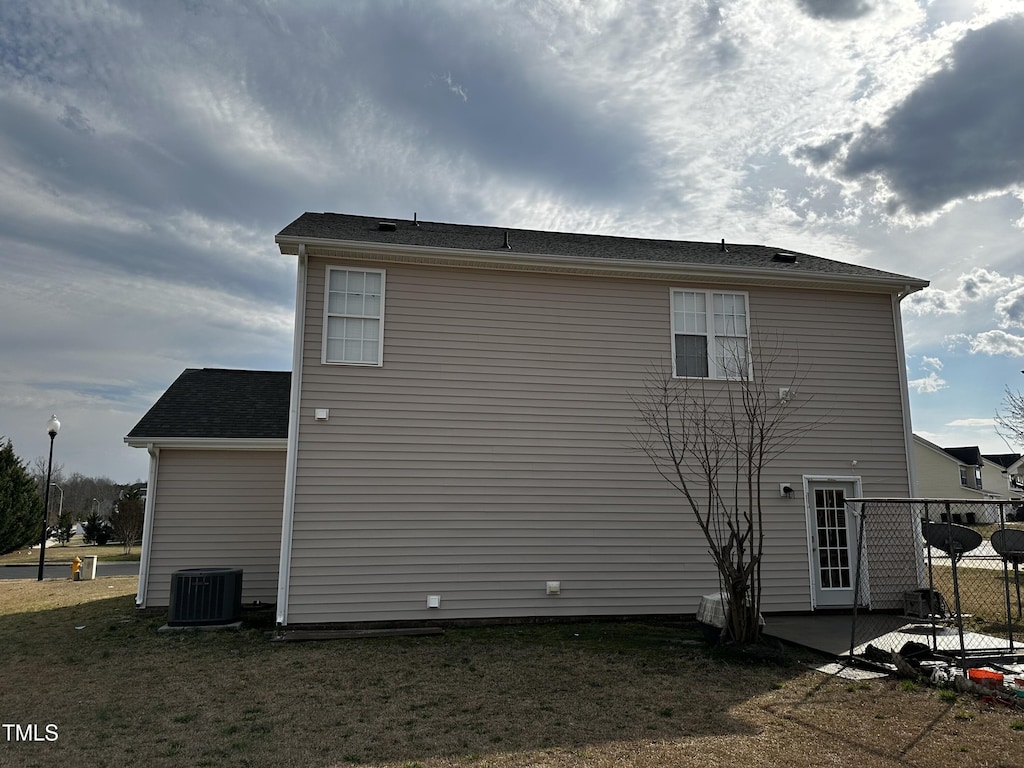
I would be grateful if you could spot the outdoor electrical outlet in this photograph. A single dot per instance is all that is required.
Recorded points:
(433, 601)
(786, 490)
(554, 587)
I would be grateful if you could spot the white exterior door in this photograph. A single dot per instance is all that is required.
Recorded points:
(832, 539)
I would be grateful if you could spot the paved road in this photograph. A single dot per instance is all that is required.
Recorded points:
(64, 571)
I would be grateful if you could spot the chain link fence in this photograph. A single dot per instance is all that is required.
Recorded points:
(943, 575)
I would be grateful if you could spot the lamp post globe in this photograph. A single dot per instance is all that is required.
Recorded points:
(52, 428)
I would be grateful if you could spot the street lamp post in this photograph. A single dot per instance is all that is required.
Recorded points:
(52, 428)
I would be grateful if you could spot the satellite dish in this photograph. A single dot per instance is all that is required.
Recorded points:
(954, 540)
(1009, 543)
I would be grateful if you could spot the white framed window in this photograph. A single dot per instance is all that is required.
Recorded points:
(710, 334)
(353, 316)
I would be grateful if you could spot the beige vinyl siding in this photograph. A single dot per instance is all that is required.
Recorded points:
(218, 508)
(492, 451)
(996, 480)
(938, 476)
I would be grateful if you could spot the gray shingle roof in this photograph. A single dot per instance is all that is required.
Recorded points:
(339, 226)
(968, 454)
(1004, 460)
(220, 403)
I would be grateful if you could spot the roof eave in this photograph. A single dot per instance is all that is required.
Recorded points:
(625, 267)
(210, 443)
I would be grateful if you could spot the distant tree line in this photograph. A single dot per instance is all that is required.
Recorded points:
(108, 511)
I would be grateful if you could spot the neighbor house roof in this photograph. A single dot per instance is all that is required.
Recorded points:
(219, 403)
(345, 228)
(1004, 460)
(968, 454)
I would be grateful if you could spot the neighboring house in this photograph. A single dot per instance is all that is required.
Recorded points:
(1003, 471)
(457, 436)
(1015, 477)
(964, 473)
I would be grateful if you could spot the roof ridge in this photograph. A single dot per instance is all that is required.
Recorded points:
(512, 241)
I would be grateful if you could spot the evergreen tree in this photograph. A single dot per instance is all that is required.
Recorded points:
(21, 508)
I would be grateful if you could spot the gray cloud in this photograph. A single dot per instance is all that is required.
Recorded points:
(1010, 309)
(151, 151)
(959, 133)
(997, 343)
(836, 10)
(516, 121)
(74, 120)
(822, 154)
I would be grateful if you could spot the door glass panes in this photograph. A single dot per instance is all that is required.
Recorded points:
(834, 570)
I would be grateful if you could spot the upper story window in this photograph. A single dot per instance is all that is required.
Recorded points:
(710, 334)
(977, 478)
(354, 316)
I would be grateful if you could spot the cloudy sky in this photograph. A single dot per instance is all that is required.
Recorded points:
(150, 152)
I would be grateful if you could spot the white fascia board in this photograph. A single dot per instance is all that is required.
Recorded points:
(211, 443)
(652, 270)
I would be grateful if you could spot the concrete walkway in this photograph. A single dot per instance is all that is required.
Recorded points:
(833, 635)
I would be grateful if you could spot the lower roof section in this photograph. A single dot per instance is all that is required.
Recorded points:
(207, 405)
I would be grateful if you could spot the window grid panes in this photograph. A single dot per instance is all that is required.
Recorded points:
(834, 571)
(717, 349)
(354, 322)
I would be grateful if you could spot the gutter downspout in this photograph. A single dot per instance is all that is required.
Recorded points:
(288, 509)
(908, 428)
(147, 525)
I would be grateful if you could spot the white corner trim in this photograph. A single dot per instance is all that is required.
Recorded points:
(908, 427)
(294, 402)
(147, 525)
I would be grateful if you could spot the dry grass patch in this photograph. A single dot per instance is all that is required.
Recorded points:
(65, 554)
(982, 597)
(35, 597)
(599, 694)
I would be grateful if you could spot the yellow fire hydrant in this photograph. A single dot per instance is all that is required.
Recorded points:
(76, 569)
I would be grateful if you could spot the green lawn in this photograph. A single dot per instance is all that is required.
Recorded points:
(79, 656)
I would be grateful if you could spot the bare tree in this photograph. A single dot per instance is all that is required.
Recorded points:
(38, 469)
(127, 518)
(712, 441)
(1010, 420)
